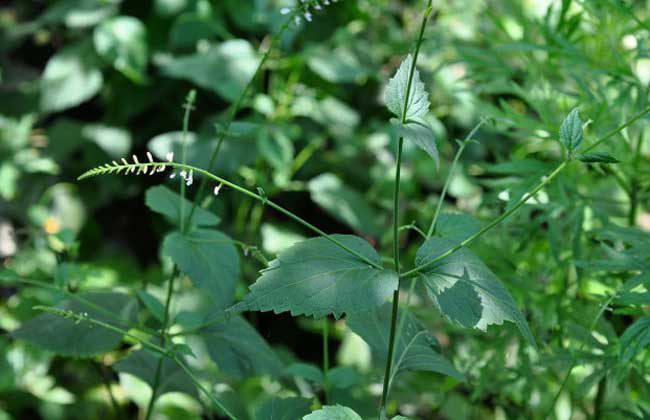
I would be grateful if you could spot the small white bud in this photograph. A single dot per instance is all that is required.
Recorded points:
(217, 189)
(297, 20)
(318, 7)
(135, 159)
(124, 161)
(149, 157)
(173, 175)
(307, 16)
(161, 168)
(285, 11)
(170, 156)
(190, 178)
(183, 174)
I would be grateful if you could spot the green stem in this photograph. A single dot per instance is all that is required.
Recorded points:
(236, 106)
(574, 360)
(492, 224)
(86, 302)
(617, 130)
(326, 358)
(600, 398)
(400, 144)
(244, 191)
(463, 144)
(188, 106)
(83, 318)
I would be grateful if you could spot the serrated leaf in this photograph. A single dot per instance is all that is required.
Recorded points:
(333, 412)
(283, 409)
(465, 290)
(635, 339)
(571, 130)
(420, 133)
(167, 202)
(143, 364)
(66, 337)
(597, 157)
(344, 203)
(239, 350)
(395, 95)
(209, 258)
(316, 277)
(415, 348)
(122, 42)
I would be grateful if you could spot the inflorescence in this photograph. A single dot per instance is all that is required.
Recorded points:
(151, 167)
(305, 9)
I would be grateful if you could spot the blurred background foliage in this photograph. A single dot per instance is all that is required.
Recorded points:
(89, 81)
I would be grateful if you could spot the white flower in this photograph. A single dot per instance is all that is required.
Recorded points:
(190, 178)
(173, 175)
(307, 16)
(149, 157)
(170, 156)
(285, 11)
(217, 189)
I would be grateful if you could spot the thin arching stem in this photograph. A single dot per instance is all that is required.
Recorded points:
(400, 144)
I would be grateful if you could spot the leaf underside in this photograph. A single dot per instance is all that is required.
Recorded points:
(465, 290)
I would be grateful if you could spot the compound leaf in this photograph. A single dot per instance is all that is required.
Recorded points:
(465, 290)
(635, 339)
(316, 277)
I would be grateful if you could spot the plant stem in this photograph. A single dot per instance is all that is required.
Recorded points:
(83, 318)
(493, 223)
(248, 193)
(326, 358)
(574, 360)
(188, 106)
(600, 398)
(463, 144)
(400, 144)
(235, 109)
(617, 130)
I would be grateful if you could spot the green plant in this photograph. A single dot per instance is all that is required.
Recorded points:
(571, 251)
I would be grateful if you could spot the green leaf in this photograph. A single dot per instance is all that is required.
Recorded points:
(239, 350)
(308, 371)
(420, 133)
(70, 78)
(283, 409)
(209, 258)
(122, 42)
(635, 339)
(333, 412)
(225, 68)
(456, 227)
(416, 349)
(597, 157)
(465, 290)
(316, 277)
(340, 65)
(154, 306)
(143, 364)
(167, 202)
(571, 131)
(66, 337)
(344, 203)
(343, 377)
(395, 95)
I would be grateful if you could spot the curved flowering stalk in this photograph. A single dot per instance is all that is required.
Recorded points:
(187, 171)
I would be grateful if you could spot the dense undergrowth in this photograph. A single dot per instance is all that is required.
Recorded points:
(277, 209)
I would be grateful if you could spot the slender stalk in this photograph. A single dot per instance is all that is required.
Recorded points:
(617, 130)
(244, 191)
(574, 360)
(600, 398)
(188, 106)
(492, 224)
(237, 105)
(400, 144)
(463, 144)
(326, 358)
(84, 318)
(86, 302)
